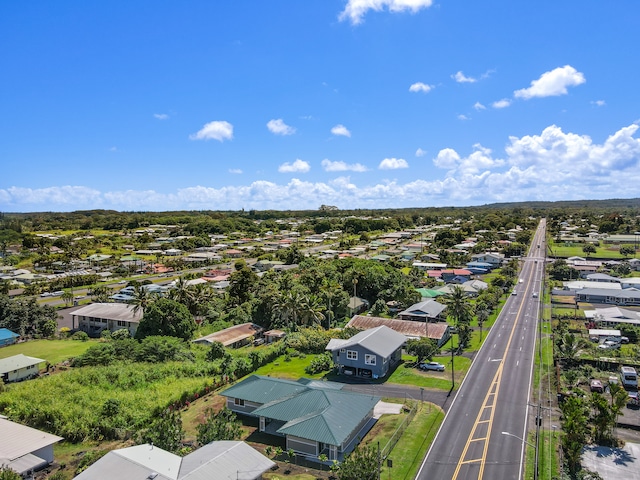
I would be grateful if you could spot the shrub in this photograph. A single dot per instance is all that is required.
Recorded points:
(308, 340)
(321, 363)
(81, 336)
(121, 334)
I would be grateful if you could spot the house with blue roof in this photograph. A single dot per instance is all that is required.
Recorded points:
(313, 417)
(7, 337)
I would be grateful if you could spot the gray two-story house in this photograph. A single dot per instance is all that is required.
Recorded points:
(368, 354)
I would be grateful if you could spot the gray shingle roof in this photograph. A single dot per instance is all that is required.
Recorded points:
(428, 308)
(379, 340)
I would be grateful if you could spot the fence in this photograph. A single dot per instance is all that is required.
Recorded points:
(399, 431)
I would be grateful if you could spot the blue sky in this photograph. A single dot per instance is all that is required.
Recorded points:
(291, 104)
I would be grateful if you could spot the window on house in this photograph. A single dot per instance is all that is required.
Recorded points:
(239, 402)
(352, 355)
(369, 359)
(122, 323)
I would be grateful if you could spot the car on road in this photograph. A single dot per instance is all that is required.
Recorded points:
(514, 293)
(535, 294)
(596, 386)
(435, 366)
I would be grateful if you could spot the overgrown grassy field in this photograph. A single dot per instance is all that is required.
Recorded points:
(90, 402)
(52, 351)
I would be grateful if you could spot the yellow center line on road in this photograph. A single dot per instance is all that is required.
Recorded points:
(489, 403)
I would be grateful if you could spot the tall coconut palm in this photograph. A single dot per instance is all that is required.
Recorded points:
(312, 314)
(289, 307)
(459, 310)
(142, 298)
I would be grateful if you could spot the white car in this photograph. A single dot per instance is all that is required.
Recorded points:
(535, 294)
(438, 367)
(609, 345)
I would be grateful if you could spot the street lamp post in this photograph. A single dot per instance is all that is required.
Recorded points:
(535, 468)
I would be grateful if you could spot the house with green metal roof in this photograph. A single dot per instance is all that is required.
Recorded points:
(314, 417)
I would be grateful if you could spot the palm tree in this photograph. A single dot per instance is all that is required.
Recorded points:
(182, 292)
(67, 297)
(289, 308)
(482, 314)
(459, 310)
(100, 294)
(312, 314)
(142, 298)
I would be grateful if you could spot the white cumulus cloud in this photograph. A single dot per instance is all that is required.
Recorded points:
(299, 166)
(355, 10)
(582, 168)
(479, 106)
(216, 130)
(278, 127)
(341, 130)
(552, 83)
(393, 164)
(161, 116)
(420, 152)
(504, 103)
(462, 78)
(421, 87)
(236, 171)
(599, 103)
(339, 166)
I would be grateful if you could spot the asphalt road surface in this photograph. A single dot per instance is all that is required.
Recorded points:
(495, 393)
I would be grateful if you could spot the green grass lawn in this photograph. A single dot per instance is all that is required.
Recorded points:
(562, 251)
(407, 374)
(293, 369)
(53, 351)
(412, 447)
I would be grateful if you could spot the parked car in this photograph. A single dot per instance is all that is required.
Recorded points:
(596, 386)
(438, 367)
(609, 345)
(624, 339)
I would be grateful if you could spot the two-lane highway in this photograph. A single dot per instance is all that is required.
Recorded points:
(495, 393)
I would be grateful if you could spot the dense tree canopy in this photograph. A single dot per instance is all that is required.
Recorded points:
(166, 317)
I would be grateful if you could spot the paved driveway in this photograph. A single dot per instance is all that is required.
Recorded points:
(613, 463)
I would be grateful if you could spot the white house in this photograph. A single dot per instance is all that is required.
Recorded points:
(111, 316)
(24, 449)
(19, 367)
(221, 459)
